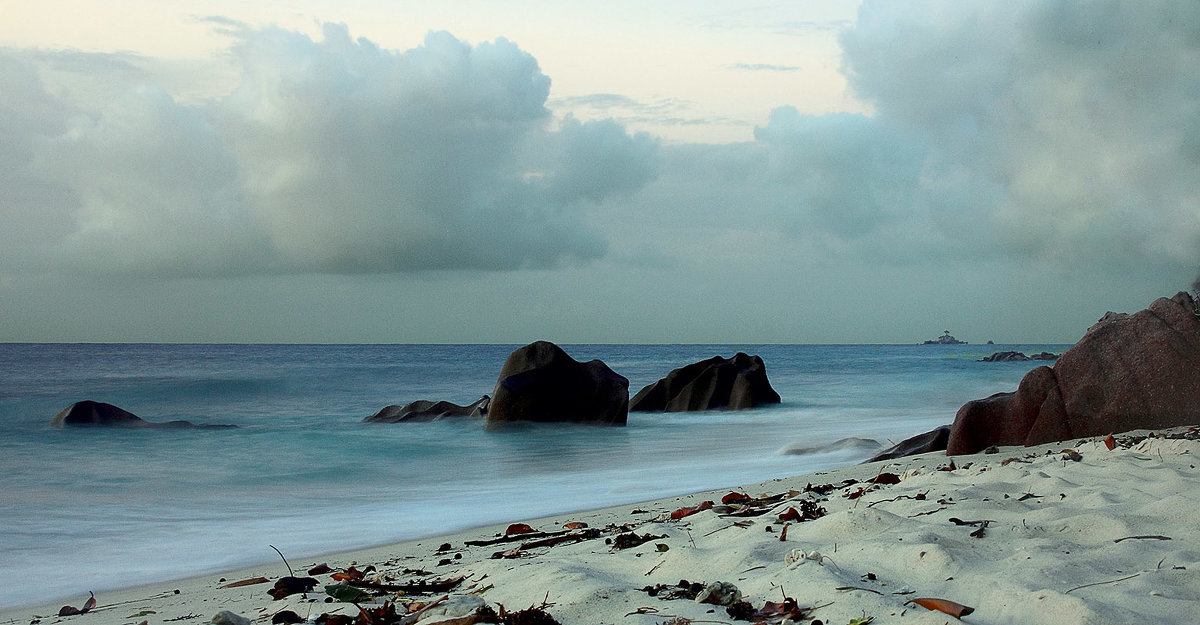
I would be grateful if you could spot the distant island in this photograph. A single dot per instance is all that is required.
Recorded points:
(944, 339)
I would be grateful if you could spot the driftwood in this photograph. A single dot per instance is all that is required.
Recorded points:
(411, 587)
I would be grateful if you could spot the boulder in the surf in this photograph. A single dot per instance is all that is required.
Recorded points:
(542, 383)
(715, 384)
(99, 414)
(933, 440)
(424, 410)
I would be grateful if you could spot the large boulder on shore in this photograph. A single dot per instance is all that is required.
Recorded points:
(94, 413)
(425, 410)
(1128, 372)
(542, 383)
(715, 384)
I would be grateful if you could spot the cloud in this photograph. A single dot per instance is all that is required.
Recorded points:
(330, 156)
(764, 67)
(1068, 131)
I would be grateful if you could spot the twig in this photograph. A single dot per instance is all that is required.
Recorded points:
(1144, 537)
(1111, 581)
(858, 588)
(285, 562)
(926, 513)
(655, 567)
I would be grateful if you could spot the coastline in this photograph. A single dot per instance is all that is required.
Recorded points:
(1101, 539)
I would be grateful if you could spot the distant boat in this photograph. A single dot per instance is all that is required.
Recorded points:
(944, 339)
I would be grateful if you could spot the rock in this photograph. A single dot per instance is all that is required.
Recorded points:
(541, 383)
(933, 440)
(225, 617)
(719, 593)
(1005, 357)
(1044, 356)
(1128, 372)
(93, 413)
(715, 384)
(455, 606)
(424, 410)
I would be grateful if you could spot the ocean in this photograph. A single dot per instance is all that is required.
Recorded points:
(89, 509)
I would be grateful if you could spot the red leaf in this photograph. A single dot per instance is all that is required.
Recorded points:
(689, 511)
(1110, 442)
(518, 528)
(790, 515)
(735, 498)
(576, 525)
(943, 605)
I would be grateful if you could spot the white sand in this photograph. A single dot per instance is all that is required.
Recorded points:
(1049, 558)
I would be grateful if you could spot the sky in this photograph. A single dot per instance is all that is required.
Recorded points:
(811, 171)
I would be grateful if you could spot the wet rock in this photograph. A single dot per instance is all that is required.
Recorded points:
(93, 413)
(542, 383)
(715, 384)
(933, 440)
(423, 410)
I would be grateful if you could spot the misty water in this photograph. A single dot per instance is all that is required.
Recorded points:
(94, 509)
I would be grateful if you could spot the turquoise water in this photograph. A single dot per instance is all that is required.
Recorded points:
(302, 472)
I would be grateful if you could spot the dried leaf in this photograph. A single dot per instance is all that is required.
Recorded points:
(735, 497)
(956, 610)
(1110, 442)
(518, 528)
(689, 511)
(885, 478)
(70, 610)
(246, 582)
(576, 525)
(291, 586)
(319, 569)
(786, 609)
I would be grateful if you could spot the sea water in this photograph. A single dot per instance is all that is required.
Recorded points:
(93, 509)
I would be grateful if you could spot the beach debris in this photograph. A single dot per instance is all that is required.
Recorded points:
(286, 617)
(508, 538)
(576, 525)
(353, 574)
(68, 610)
(669, 592)
(690, 510)
(736, 497)
(225, 617)
(796, 557)
(455, 606)
(866, 620)
(740, 610)
(1143, 537)
(346, 593)
(290, 585)
(776, 612)
(518, 528)
(809, 511)
(1110, 442)
(632, 539)
(246, 582)
(1072, 455)
(320, 569)
(719, 593)
(952, 608)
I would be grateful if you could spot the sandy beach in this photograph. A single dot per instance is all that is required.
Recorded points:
(1064, 533)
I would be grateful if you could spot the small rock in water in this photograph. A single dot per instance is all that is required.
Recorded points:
(225, 617)
(719, 593)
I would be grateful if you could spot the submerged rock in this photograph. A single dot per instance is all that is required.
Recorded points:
(715, 384)
(424, 410)
(1128, 372)
(542, 383)
(94, 413)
